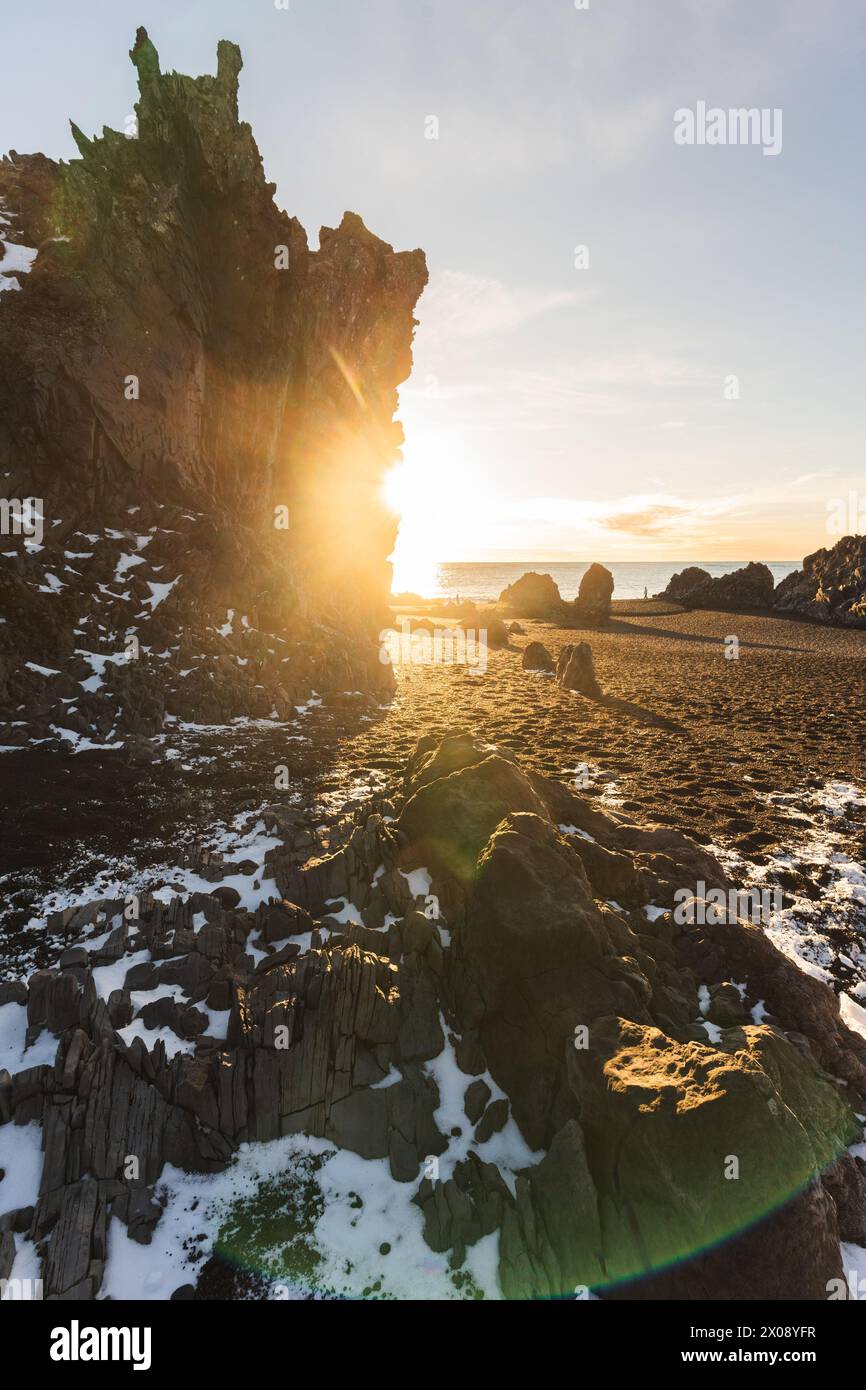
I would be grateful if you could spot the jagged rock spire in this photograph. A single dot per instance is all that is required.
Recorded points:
(145, 57)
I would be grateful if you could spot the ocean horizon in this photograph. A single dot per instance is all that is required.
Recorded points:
(485, 579)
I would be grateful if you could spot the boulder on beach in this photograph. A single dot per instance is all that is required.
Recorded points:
(663, 1167)
(831, 586)
(489, 623)
(536, 657)
(594, 595)
(532, 596)
(684, 583)
(749, 587)
(575, 671)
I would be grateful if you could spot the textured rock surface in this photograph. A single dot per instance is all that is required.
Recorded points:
(575, 671)
(528, 964)
(536, 657)
(177, 366)
(684, 582)
(749, 587)
(533, 596)
(594, 595)
(831, 586)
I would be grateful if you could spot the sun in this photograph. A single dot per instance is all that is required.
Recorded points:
(442, 501)
(416, 568)
(396, 488)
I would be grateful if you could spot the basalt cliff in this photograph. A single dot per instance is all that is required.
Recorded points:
(203, 408)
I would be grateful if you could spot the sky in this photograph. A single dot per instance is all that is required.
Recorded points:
(688, 386)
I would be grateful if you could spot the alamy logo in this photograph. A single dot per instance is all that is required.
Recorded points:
(22, 517)
(853, 1288)
(20, 1290)
(77, 1343)
(446, 646)
(738, 126)
(713, 907)
(846, 516)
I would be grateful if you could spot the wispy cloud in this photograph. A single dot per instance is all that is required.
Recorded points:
(457, 304)
(643, 516)
(510, 398)
(813, 477)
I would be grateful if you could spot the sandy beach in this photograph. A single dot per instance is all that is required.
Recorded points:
(685, 736)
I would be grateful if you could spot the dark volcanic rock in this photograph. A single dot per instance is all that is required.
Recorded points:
(449, 821)
(487, 627)
(189, 389)
(845, 1180)
(680, 585)
(537, 961)
(831, 586)
(594, 595)
(533, 596)
(551, 1240)
(475, 1100)
(675, 1166)
(536, 657)
(749, 587)
(575, 671)
(732, 1133)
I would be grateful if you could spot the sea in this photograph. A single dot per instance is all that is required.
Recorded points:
(485, 580)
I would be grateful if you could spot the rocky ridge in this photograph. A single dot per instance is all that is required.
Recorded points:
(493, 913)
(830, 588)
(749, 587)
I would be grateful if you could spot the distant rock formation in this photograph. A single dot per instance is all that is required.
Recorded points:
(537, 596)
(176, 345)
(594, 595)
(684, 583)
(831, 586)
(749, 587)
(533, 596)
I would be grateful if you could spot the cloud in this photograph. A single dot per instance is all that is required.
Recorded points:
(503, 399)
(647, 516)
(646, 523)
(644, 516)
(812, 478)
(457, 304)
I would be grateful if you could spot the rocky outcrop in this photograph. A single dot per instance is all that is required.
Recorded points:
(533, 596)
(486, 628)
(204, 407)
(754, 1122)
(592, 604)
(698, 1163)
(575, 670)
(831, 586)
(685, 582)
(749, 587)
(536, 657)
(450, 818)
